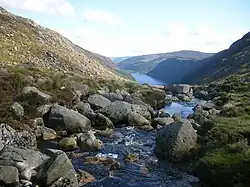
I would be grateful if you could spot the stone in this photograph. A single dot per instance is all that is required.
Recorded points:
(88, 142)
(17, 110)
(176, 116)
(57, 171)
(33, 96)
(101, 122)
(163, 114)
(85, 177)
(43, 110)
(214, 112)
(84, 109)
(45, 133)
(183, 97)
(10, 137)
(134, 99)
(9, 176)
(181, 88)
(202, 94)
(61, 118)
(113, 96)
(136, 120)
(25, 160)
(98, 101)
(142, 110)
(162, 121)
(198, 118)
(37, 122)
(174, 141)
(68, 144)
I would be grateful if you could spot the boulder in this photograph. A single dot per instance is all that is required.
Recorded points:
(43, 110)
(68, 144)
(83, 108)
(183, 97)
(117, 111)
(33, 96)
(163, 114)
(57, 171)
(136, 120)
(198, 118)
(9, 176)
(142, 110)
(162, 121)
(10, 137)
(202, 94)
(101, 122)
(88, 142)
(181, 89)
(85, 177)
(25, 160)
(37, 122)
(113, 96)
(134, 99)
(174, 141)
(45, 133)
(17, 110)
(81, 90)
(61, 118)
(98, 101)
(207, 105)
(176, 116)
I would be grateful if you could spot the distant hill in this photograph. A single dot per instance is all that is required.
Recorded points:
(119, 59)
(146, 63)
(235, 60)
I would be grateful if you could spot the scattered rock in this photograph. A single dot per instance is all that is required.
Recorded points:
(68, 144)
(163, 114)
(202, 94)
(142, 110)
(183, 97)
(176, 116)
(85, 177)
(88, 142)
(174, 141)
(9, 176)
(10, 137)
(181, 89)
(37, 122)
(61, 118)
(17, 110)
(84, 109)
(136, 120)
(162, 121)
(58, 171)
(98, 101)
(101, 122)
(43, 110)
(33, 96)
(113, 96)
(45, 133)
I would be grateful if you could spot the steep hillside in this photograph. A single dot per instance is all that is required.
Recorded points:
(23, 42)
(235, 60)
(145, 63)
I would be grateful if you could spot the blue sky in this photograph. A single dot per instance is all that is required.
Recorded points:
(134, 27)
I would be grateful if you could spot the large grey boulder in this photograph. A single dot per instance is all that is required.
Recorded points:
(33, 96)
(113, 96)
(9, 176)
(57, 171)
(174, 141)
(117, 111)
(45, 133)
(25, 160)
(10, 137)
(134, 99)
(137, 120)
(181, 88)
(98, 101)
(84, 109)
(17, 110)
(61, 118)
(68, 144)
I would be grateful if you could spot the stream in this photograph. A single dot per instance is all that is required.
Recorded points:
(147, 170)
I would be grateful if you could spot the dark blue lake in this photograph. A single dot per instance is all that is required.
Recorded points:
(143, 78)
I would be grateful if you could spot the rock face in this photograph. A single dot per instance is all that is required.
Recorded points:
(9, 176)
(61, 118)
(176, 140)
(136, 120)
(98, 101)
(33, 96)
(57, 171)
(10, 137)
(17, 110)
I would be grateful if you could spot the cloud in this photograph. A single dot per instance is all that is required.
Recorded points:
(55, 7)
(101, 16)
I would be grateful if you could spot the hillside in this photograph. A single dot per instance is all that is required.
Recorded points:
(23, 42)
(119, 59)
(235, 60)
(145, 63)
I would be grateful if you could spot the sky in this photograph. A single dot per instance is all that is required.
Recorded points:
(117, 28)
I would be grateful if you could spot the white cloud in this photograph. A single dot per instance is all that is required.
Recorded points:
(56, 7)
(102, 17)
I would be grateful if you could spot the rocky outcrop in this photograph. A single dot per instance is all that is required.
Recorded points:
(174, 141)
(61, 118)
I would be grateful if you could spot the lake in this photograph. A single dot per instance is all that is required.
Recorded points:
(145, 79)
